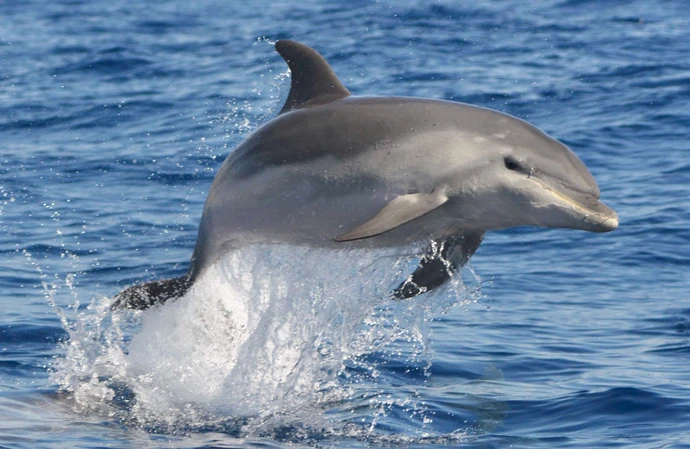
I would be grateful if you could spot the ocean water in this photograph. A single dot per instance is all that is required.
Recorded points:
(114, 117)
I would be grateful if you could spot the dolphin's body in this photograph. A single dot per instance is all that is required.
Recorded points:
(332, 170)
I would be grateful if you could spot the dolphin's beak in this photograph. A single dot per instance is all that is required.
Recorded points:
(597, 216)
(591, 214)
(602, 217)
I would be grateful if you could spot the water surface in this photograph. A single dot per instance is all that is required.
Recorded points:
(114, 117)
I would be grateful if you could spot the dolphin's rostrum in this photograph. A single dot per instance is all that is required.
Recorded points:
(333, 170)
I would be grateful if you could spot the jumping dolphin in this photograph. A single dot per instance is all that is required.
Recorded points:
(334, 170)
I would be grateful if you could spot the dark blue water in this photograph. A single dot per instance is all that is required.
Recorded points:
(114, 117)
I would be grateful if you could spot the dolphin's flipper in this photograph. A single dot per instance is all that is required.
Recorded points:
(441, 261)
(313, 81)
(397, 212)
(143, 296)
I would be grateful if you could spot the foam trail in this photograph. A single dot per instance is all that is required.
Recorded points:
(263, 337)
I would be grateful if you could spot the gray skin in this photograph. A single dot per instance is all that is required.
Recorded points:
(338, 171)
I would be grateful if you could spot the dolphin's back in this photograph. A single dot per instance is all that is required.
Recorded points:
(349, 128)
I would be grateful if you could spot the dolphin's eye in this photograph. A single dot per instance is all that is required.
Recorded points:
(512, 163)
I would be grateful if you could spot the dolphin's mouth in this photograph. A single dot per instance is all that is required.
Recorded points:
(598, 216)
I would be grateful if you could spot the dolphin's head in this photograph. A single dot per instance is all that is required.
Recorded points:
(530, 178)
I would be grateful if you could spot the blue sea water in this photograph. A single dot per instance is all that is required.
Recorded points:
(114, 117)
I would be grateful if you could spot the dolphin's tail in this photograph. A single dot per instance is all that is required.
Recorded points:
(143, 296)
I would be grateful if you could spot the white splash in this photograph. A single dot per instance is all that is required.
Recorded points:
(263, 337)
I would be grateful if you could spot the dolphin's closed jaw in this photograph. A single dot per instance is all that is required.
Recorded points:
(598, 217)
(590, 214)
(606, 219)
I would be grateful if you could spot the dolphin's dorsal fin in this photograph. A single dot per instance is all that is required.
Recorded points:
(313, 81)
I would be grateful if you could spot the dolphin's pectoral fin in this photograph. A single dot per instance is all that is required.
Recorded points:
(397, 212)
(441, 261)
(143, 296)
(313, 81)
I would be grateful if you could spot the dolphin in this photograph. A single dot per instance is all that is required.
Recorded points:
(340, 171)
